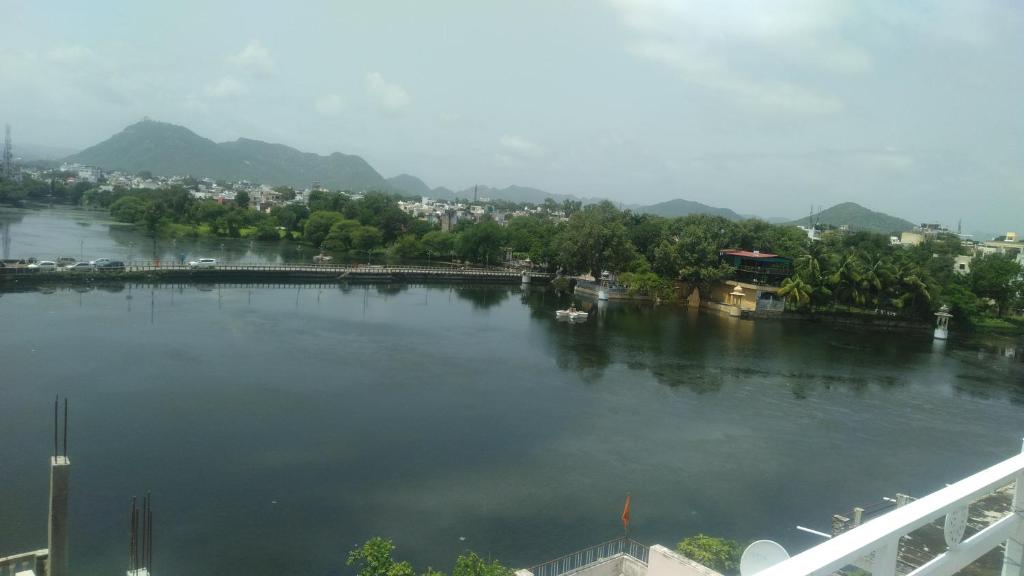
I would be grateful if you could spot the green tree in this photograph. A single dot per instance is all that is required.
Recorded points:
(698, 240)
(716, 553)
(318, 226)
(797, 291)
(375, 558)
(845, 280)
(595, 240)
(289, 216)
(128, 209)
(266, 231)
(470, 564)
(324, 201)
(407, 247)
(242, 199)
(992, 276)
(339, 239)
(439, 243)
(481, 242)
(366, 238)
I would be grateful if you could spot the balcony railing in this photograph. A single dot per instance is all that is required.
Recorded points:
(35, 561)
(593, 555)
(874, 545)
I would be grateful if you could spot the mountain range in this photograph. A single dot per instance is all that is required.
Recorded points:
(168, 149)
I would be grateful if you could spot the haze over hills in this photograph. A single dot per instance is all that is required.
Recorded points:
(858, 217)
(168, 149)
(680, 207)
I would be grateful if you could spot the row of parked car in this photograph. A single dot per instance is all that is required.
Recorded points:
(99, 264)
(63, 265)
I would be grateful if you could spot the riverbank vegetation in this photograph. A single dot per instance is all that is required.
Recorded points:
(662, 258)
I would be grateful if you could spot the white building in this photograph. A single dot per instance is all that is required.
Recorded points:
(962, 264)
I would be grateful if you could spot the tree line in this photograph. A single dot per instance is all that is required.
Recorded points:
(652, 255)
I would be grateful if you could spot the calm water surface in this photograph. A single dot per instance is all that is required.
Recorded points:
(429, 415)
(89, 234)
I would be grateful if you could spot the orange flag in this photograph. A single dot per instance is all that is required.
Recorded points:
(625, 514)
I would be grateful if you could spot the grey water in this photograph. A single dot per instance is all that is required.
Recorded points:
(89, 234)
(279, 427)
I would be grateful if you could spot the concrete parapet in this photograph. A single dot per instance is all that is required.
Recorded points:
(664, 562)
(60, 487)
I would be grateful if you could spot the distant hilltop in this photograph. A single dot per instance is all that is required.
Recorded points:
(859, 218)
(169, 150)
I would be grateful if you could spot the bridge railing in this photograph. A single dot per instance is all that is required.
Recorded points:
(592, 555)
(874, 545)
(35, 561)
(145, 266)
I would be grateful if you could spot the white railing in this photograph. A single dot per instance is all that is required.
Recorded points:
(590, 556)
(35, 561)
(874, 546)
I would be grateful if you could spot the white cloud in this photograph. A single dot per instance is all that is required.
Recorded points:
(389, 97)
(70, 55)
(226, 88)
(518, 146)
(731, 46)
(254, 58)
(330, 104)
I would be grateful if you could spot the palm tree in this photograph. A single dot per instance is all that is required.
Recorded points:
(846, 280)
(910, 291)
(797, 291)
(876, 276)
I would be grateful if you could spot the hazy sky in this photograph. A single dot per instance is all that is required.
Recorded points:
(914, 108)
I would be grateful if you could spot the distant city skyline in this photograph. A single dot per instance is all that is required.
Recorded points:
(766, 108)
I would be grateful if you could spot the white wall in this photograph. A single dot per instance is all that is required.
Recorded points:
(664, 562)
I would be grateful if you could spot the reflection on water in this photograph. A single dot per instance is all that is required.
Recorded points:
(430, 413)
(87, 235)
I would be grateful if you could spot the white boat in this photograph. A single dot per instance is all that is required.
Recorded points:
(571, 314)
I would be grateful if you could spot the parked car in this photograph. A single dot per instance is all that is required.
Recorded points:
(79, 267)
(44, 265)
(111, 266)
(65, 261)
(203, 263)
(99, 261)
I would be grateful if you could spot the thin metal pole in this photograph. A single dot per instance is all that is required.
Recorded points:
(65, 427)
(56, 403)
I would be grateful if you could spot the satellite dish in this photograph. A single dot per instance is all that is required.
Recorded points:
(760, 556)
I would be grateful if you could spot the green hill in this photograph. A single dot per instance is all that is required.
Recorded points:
(858, 217)
(409, 185)
(169, 150)
(680, 207)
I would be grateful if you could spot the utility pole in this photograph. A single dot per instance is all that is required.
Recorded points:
(7, 156)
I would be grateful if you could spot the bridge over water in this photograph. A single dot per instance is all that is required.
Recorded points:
(280, 274)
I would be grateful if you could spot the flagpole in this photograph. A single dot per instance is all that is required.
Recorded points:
(625, 516)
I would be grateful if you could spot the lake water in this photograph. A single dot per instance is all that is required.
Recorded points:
(88, 235)
(449, 418)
